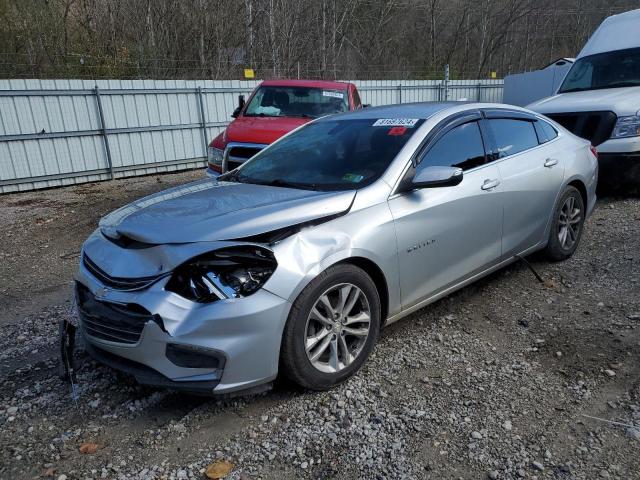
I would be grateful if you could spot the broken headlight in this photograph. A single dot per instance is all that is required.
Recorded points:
(227, 273)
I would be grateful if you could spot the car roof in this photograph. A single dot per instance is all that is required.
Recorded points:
(617, 32)
(421, 110)
(307, 83)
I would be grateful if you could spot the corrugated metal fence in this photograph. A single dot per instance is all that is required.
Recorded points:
(61, 132)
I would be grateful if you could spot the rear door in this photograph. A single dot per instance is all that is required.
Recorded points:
(447, 234)
(531, 173)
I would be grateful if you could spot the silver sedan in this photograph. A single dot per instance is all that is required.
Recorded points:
(292, 263)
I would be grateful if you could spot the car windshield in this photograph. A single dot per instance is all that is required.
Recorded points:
(296, 102)
(329, 155)
(620, 68)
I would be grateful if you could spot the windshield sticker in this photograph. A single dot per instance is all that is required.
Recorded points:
(329, 93)
(396, 122)
(397, 131)
(352, 177)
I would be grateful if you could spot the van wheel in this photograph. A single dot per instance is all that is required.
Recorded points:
(566, 227)
(332, 328)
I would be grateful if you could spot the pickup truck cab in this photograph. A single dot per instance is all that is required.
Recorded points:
(599, 100)
(275, 108)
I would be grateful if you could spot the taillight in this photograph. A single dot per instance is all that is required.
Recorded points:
(594, 150)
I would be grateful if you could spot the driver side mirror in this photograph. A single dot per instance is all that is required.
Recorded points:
(236, 112)
(437, 176)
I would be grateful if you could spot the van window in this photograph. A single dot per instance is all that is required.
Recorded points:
(620, 68)
(512, 136)
(460, 147)
(545, 131)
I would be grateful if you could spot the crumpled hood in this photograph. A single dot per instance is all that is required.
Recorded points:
(623, 101)
(209, 210)
(262, 129)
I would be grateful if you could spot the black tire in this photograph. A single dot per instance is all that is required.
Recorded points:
(294, 362)
(555, 250)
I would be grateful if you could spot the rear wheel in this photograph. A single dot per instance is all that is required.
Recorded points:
(332, 328)
(566, 227)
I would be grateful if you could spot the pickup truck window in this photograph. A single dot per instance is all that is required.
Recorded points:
(296, 102)
(619, 68)
(329, 155)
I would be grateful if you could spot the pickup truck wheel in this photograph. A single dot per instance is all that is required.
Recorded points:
(566, 226)
(332, 328)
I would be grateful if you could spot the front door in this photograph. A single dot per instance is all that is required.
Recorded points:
(447, 234)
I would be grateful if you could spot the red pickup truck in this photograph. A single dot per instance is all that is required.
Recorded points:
(275, 108)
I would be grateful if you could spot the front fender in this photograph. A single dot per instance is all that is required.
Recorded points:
(364, 234)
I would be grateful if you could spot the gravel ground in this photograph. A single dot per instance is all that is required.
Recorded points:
(508, 378)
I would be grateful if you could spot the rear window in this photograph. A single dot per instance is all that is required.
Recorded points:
(331, 154)
(296, 102)
(512, 136)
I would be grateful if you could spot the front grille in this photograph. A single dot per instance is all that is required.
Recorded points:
(244, 153)
(109, 321)
(233, 165)
(593, 126)
(239, 153)
(117, 283)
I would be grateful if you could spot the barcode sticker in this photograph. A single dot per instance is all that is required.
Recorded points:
(396, 122)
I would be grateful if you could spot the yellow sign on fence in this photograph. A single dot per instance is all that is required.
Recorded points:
(249, 73)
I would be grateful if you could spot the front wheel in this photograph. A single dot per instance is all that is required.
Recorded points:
(566, 227)
(332, 328)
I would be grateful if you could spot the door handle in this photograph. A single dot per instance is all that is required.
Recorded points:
(550, 162)
(490, 184)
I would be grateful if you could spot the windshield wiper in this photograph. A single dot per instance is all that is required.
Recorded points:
(571, 90)
(299, 115)
(603, 87)
(628, 83)
(279, 182)
(234, 176)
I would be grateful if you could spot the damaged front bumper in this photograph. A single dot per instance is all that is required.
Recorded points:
(163, 339)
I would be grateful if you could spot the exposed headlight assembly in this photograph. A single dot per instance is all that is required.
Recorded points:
(627, 127)
(214, 156)
(226, 273)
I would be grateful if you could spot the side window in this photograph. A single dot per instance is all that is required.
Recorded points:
(460, 147)
(356, 100)
(513, 136)
(546, 132)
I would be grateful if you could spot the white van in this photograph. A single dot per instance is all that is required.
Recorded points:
(599, 99)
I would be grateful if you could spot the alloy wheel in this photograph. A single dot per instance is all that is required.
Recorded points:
(569, 223)
(337, 328)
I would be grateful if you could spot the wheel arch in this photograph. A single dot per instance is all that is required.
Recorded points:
(582, 188)
(578, 184)
(378, 277)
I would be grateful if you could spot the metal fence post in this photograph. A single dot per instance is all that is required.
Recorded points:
(479, 91)
(203, 121)
(103, 129)
(399, 87)
(446, 82)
